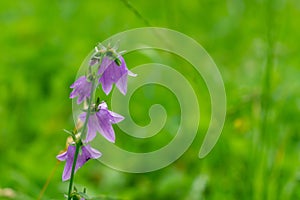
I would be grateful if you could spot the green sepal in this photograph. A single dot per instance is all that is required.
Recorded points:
(71, 133)
(118, 61)
(97, 101)
(97, 55)
(109, 53)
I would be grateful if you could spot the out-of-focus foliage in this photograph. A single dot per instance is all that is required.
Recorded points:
(254, 44)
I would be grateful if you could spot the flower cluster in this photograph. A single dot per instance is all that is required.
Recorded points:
(106, 67)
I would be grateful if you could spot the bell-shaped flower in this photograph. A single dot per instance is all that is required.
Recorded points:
(81, 89)
(86, 154)
(111, 72)
(101, 121)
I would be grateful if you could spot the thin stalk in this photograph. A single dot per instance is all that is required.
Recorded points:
(262, 172)
(48, 180)
(136, 12)
(266, 84)
(73, 170)
(78, 144)
(89, 108)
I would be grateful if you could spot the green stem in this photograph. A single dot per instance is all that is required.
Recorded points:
(78, 142)
(266, 85)
(73, 170)
(262, 172)
(136, 12)
(88, 113)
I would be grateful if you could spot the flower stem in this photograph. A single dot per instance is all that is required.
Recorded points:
(73, 170)
(78, 142)
(88, 113)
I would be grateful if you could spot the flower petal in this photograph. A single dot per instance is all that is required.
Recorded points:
(69, 161)
(115, 117)
(105, 126)
(90, 153)
(106, 84)
(81, 88)
(102, 105)
(130, 73)
(106, 62)
(62, 156)
(122, 84)
(92, 126)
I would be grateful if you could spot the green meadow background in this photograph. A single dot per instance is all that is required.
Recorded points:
(255, 45)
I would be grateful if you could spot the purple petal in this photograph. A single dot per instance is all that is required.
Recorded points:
(105, 126)
(81, 88)
(115, 117)
(106, 84)
(87, 153)
(62, 156)
(92, 126)
(106, 62)
(80, 99)
(78, 82)
(81, 160)
(122, 84)
(102, 105)
(90, 153)
(69, 161)
(109, 77)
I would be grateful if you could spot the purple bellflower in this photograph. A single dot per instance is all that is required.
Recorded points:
(81, 88)
(101, 121)
(111, 73)
(87, 153)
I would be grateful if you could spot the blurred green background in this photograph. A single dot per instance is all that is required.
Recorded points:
(254, 43)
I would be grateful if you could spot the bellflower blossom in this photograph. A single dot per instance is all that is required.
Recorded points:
(101, 121)
(113, 73)
(81, 88)
(87, 153)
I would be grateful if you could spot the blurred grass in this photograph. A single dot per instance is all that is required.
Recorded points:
(254, 44)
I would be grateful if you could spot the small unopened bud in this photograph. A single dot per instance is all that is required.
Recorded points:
(79, 124)
(69, 141)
